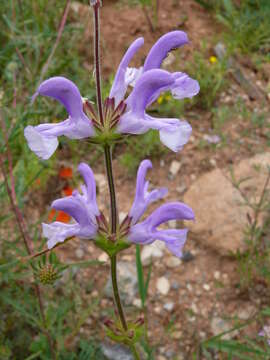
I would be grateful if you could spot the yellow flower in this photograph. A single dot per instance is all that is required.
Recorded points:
(160, 99)
(213, 59)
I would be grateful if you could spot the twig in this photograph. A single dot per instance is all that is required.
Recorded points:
(20, 56)
(59, 35)
(149, 22)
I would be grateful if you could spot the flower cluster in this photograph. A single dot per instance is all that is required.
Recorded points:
(83, 209)
(121, 115)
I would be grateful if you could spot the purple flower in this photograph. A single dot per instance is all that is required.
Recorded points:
(42, 139)
(124, 115)
(265, 332)
(148, 83)
(147, 231)
(81, 207)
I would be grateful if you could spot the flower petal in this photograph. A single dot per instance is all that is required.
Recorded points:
(146, 232)
(174, 239)
(176, 135)
(119, 86)
(148, 85)
(43, 146)
(65, 91)
(89, 180)
(73, 206)
(184, 86)
(170, 211)
(142, 197)
(162, 47)
(132, 75)
(58, 232)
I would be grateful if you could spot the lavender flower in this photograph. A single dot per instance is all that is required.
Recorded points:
(146, 232)
(265, 332)
(42, 139)
(148, 83)
(82, 208)
(123, 116)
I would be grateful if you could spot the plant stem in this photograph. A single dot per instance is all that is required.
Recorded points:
(97, 61)
(116, 293)
(135, 352)
(108, 163)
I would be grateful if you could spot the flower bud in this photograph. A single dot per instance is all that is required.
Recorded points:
(47, 274)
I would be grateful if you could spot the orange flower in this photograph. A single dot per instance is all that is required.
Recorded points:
(67, 190)
(65, 173)
(58, 216)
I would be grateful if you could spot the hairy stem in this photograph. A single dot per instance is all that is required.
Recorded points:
(108, 163)
(97, 60)
(135, 353)
(116, 293)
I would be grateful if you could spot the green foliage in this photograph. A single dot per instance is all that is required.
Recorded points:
(211, 77)
(248, 23)
(255, 260)
(139, 148)
(245, 347)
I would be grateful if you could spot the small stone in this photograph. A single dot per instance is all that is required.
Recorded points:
(163, 285)
(206, 287)
(202, 334)
(218, 326)
(122, 216)
(193, 177)
(246, 312)
(175, 167)
(194, 308)
(162, 163)
(137, 303)
(189, 287)
(128, 283)
(175, 285)
(187, 256)
(173, 262)
(79, 253)
(116, 352)
(177, 335)
(168, 306)
(217, 275)
(161, 357)
(181, 189)
(100, 181)
(157, 309)
(152, 251)
(213, 162)
(103, 257)
(172, 224)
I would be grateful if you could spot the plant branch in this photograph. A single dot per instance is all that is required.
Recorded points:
(108, 163)
(58, 38)
(97, 61)
(116, 293)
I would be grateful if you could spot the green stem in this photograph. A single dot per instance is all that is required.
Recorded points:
(108, 163)
(97, 61)
(135, 352)
(116, 293)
